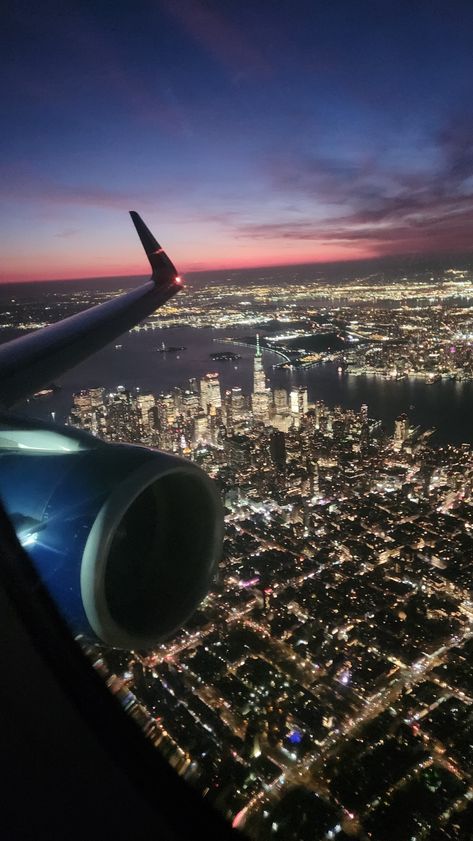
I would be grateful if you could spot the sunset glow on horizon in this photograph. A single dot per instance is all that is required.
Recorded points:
(244, 134)
(61, 265)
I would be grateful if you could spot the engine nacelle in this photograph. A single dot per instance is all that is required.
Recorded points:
(127, 539)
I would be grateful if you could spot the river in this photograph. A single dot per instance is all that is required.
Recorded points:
(446, 405)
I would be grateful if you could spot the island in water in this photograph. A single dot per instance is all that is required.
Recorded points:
(171, 349)
(224, 356)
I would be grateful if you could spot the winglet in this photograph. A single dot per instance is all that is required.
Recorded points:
(164, 271)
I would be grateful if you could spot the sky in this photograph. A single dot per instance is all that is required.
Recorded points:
(246, 133)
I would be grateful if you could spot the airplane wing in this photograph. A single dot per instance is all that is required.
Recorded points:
(126, 538)
(33, 361)
(124, 541)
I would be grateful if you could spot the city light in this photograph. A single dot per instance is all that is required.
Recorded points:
(334, 648)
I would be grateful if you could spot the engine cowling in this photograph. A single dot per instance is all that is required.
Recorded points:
(126, 538)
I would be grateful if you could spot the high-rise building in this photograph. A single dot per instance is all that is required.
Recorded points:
(283, 422)
(165, 410)
(338, 429)
(299, 401)
(313, 471)
(122, 419)
(238, 449)
(365, 429)
(81, 411)
(190, 403)
(201, 433)
(88, 409)
(145, 404)
(210, 394)
(281, 417)
(260, 405)
(259, 378)
(401, 430)
(238, 404)
(177, 395)
(227, 408)
(319, 419)
(261, 397)
(280, 400)
(235, 407)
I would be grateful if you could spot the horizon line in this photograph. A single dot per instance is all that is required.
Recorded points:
(438, 256)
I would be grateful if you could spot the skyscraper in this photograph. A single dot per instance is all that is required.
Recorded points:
(401, 429)
(299, 401)
(235, 409)
(190, 403)
(365, 429)
(238, 403)
(261, 397)
(122, 422)
(280, 400)
(88, 409)
(260, 403)
(210, 394)
(313, 471)
(201, 429)
(259, 378)
(145, 403)
(165, 410)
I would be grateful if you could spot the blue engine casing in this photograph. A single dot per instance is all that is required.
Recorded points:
(127, 539)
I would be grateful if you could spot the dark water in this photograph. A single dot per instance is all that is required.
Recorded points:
(447, 406)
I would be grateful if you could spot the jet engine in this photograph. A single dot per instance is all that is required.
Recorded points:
(126, 538)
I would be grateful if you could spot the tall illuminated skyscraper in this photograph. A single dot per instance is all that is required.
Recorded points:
(259, 378)
(261, 397)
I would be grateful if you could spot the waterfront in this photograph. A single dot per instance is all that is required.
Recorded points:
(445, 405)
(337, 639)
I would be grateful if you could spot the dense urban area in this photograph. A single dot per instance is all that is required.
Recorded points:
(421, 326)
(324, 689)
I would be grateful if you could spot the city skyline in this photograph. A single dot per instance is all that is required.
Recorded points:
(323, 688)
(337, 639)
(248, 135)
(335, 338)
